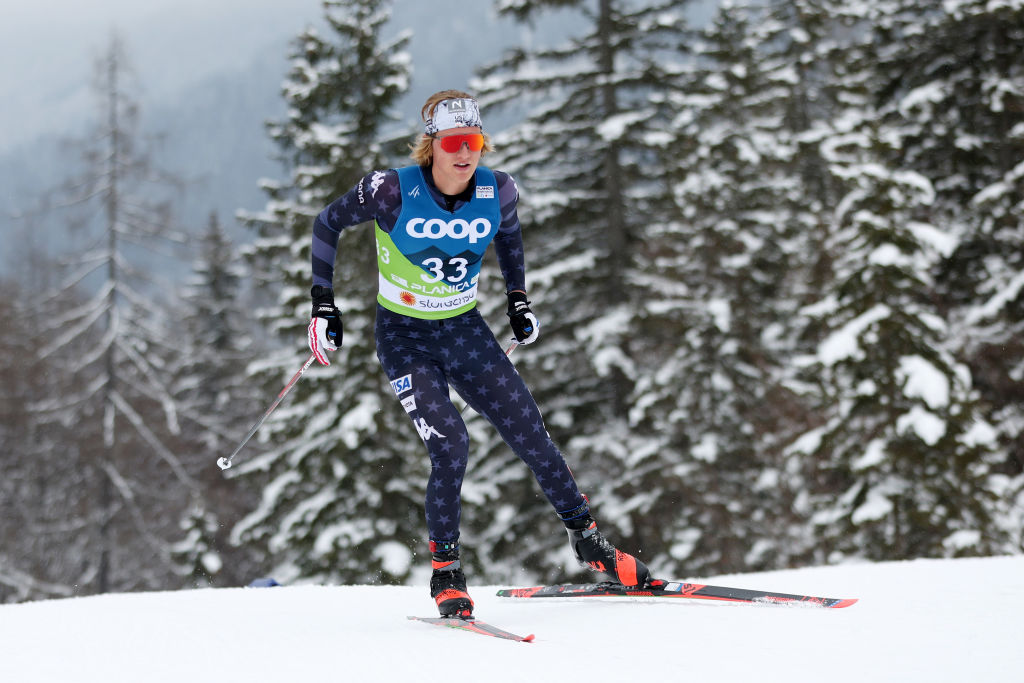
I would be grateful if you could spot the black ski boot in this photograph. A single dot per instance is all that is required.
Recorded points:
(593, 550)
(448, 582)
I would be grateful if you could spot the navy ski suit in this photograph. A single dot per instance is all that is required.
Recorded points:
(429, 334)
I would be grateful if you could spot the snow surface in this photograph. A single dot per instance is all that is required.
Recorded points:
(923, 620)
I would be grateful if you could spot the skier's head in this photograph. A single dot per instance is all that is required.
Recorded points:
(449, 113)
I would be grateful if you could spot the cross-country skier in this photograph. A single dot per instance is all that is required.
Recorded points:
(433, 223)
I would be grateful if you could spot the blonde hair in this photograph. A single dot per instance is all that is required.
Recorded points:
(423, 149)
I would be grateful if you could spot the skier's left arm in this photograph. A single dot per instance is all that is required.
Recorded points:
(508, 245)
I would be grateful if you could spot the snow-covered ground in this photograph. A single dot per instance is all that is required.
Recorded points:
(925, 620)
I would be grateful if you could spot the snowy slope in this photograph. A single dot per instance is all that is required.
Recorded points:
(935, 621)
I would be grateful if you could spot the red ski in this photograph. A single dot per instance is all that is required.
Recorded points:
(475, 626)
(672, 589)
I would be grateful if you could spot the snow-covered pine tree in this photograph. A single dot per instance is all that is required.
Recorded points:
(951, 80)
(714, 407)
(798, 72)
(39, 482)
(217, 400)
(343, 475)
(900, 468)
(586, 161)
(130, 483)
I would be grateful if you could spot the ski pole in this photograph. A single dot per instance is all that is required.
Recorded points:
(225, 463)
(508, 352)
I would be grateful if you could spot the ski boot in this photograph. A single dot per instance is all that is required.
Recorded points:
(448, 582)
(593, 550)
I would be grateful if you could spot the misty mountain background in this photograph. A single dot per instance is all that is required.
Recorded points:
(208, 77)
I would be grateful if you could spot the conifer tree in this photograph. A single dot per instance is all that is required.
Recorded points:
(217, 403)
(128, 477)
(952, 89)
(714, 408)
(40, 485)
(342, 474)
(902, 467)
(586, 161)
(211, 379)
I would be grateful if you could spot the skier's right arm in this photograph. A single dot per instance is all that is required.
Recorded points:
(354, 207)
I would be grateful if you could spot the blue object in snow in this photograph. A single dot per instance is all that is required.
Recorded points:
(264, 583)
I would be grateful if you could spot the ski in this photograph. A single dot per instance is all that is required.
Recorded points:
(474, 626)
(672, 589)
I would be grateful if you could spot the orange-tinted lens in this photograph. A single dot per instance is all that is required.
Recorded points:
(453, 143)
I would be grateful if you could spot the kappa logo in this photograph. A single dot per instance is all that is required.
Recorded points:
(378, 178)
(402, 384)
(457, 228)
(425, 430)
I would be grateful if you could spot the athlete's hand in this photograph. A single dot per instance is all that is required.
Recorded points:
(325, 330)
(524, 323)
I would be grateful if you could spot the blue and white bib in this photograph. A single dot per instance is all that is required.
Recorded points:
(429, 264)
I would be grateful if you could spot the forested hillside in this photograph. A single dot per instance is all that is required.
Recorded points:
(778, 260)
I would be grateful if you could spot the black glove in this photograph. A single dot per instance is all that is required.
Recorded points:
(524, 323)
(325, 331)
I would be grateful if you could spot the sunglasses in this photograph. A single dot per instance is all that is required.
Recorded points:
(453, 143)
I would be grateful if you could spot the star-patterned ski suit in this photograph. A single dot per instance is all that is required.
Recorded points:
(429, 334)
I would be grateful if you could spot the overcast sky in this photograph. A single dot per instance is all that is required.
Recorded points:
(47, 49)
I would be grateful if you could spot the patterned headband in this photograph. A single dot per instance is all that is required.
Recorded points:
(463, 112)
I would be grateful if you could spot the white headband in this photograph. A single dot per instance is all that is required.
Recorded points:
(459, 113)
